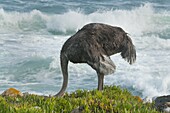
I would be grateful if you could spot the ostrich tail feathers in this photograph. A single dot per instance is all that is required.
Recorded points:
(129, 51)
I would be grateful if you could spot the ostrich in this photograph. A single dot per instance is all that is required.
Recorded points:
(94, 44)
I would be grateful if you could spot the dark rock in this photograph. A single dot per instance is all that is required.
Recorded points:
(162, 103)
(78, 110)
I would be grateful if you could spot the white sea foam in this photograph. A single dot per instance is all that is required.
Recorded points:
(136, 21)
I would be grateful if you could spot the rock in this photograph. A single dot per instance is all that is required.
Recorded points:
(12, 92)
(26, 94)
(78, 110)
(139, 99)
(149, 99)
(162, 103)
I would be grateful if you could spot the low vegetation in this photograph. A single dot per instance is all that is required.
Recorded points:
(112, 100)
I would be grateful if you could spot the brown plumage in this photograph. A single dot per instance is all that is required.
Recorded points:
(93, 44)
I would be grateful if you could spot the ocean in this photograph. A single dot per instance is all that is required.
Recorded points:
(33, 32)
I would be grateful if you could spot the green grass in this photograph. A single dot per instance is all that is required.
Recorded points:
(112, 100)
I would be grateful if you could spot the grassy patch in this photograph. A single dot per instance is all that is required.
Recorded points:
(112, 100)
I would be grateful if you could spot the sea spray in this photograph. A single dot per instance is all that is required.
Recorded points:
(36, 21)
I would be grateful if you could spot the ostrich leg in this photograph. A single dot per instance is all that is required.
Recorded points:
(100, 81)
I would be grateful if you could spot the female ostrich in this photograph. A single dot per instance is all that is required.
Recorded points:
(93, 44)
